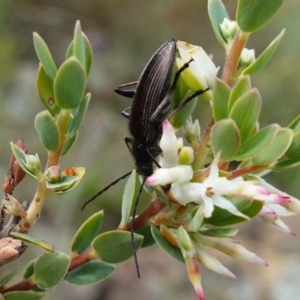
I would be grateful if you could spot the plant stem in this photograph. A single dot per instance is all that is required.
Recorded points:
(202, 149)
(233, 57)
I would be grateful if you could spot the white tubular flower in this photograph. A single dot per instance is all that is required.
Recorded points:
(247, 57)
(168, 145)
(229, 28)
(163, 176)
(212, 191)
(233, 249)
(201, 72)
(211, 262)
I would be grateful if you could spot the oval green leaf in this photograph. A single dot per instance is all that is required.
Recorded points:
(87, 232)
(78, 46)
(294, 149)
(47, 130)
(220, 232)
(50, 269)
(29, 270)
(68, 144)
(295, 124)
(69, 84)
(222, 217)
(286, 164)
(225, 138)
(275, 149)
(254, 14)
(263, 59)
(44, 55)
(45, 90)
(88, 53)
(217, 12)
(23, 295)
(30, 239)
(78, 116)
(257, 142)
(148, 238)
(162, 243)
(115, 246)
(90, 273)
(242, 86)
(128, 199)
(20, 156)
(245, 112)
(221, 92)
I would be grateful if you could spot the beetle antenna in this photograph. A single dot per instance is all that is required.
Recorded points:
(103, 190)
(132, 228)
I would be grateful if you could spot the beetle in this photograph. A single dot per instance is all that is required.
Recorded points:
(151, 105)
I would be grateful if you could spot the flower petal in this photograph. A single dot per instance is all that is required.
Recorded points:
(163, 176)
(168, 145)
(212, 263)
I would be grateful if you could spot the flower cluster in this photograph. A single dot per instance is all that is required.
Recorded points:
(193, 237)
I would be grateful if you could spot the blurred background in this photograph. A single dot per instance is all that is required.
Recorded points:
(124, 35)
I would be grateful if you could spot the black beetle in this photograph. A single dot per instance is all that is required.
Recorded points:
(150, 107)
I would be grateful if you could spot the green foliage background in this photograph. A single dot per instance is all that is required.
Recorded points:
(124, 34)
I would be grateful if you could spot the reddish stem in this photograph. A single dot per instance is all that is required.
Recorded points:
(233, 57)
(244, 171)
(76, 262)
(154, 207)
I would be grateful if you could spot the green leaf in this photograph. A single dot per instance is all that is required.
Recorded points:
(44, 55)
(66, 184)
(115, 246)
(242, 86)
(225, 137)
(286, 164)
(217, 12)
(148, 238)
(275, 149)
(295, 124)
(30, 239)
(257, 142)
(222, 217)
(180, 118)
(50, 269)
(128, 199)
(29, 163)
(45, 90)
(29, 270)
(47, 130)
(263, 59)
(78, 116)
(294, 149)
(162, 243)
(245, 112)
(78, 46)
(68, 144)
(220, 232)
(253, 15)
(87, 232)
(69, 84)
(88, 53)
(23, 295)
(4, 280)
(90, 273)
(221, 92)
(162, 195)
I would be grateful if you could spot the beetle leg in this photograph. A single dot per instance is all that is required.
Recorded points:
(126, 112)
(163, 110)
(123, 89)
